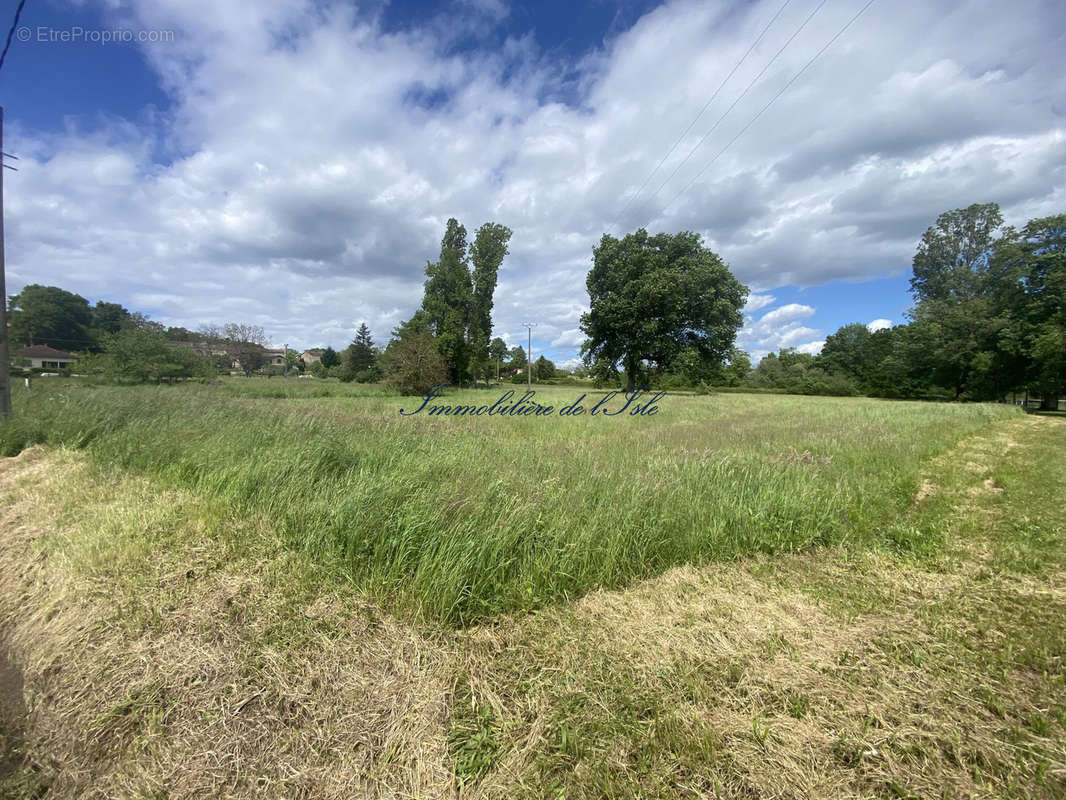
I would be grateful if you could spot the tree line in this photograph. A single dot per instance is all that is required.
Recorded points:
(988, 321)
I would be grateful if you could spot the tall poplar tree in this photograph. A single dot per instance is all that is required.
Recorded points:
(487, 252)
(458, 301)
(448, 300)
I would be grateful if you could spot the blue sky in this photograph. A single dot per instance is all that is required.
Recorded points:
(292, 163)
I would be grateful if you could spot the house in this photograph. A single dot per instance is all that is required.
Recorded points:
(44, 357)
(275, 356)
(205, 348)
(309, 357)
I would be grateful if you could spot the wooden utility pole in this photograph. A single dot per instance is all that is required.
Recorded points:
(529, 356)
(5, 363)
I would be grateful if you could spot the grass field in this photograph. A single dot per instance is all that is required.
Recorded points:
(291, 590)
(459, 519)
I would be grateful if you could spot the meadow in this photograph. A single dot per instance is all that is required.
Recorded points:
(457, 519)
(268, 588)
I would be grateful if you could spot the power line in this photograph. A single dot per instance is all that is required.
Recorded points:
(707, 105)
(11, 33)
(773, 99)
(741, 97)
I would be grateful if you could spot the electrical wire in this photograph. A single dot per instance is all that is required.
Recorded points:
(773, 99)
(706, 105)
(741, 97)
(11, 33)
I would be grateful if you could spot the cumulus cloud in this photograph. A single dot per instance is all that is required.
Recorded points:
(757, 301)
(878, 325)
(310, 158)
(780, 328)
(570, 338)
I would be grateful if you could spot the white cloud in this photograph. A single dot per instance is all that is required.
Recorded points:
(570, 363)
(878, 325)
(779, 328)
(814, 348)
(570, 338)
(757, 301)
(786, 313)
(301, 180)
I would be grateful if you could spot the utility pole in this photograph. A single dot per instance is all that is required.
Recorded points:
(5, 361)
(529, 357)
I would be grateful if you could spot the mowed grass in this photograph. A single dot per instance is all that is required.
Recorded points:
(458, 519)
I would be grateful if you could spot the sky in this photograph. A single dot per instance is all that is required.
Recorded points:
(293, 163)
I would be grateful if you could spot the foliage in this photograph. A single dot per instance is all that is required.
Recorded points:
(487, 254)
(498, 350)
(293, 361)
(245, 333)
(50, 315)
(988, 319)
(135, 355)
(414, 363)
(329, 358)
(109, 317)
(543, 369)
(457, 303)
(360, 357)
(448, 300)
(798, 373)
(652, 298)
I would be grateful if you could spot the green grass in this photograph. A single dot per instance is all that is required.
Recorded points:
(459, 519)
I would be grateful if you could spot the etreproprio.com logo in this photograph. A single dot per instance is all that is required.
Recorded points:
(79, 35)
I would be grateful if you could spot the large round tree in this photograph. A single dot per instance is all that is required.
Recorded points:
(652, 298)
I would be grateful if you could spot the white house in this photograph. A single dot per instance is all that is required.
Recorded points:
(45, 357)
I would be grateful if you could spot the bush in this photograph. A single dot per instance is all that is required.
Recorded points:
(414, 364)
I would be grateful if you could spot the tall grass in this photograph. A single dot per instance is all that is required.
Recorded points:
(457, 519)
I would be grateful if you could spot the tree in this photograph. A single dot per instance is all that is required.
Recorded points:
(952, 253)
(362, 350)
(498, 353)
(247, 343)
(498, 349)
(543, 369)
(418, 323)
(953, 289)
(518, 357)
(1032, 263)
(329, 358)
(50, 315)
(457, 303)
(109, 317)
(737, 368)
(179, 334)
(651, 297)
(137, 355)
(843, 351)
(487, 254)
(413, 364)
(293, 361)
(448, 301)
(360, 358)
(243, 333)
